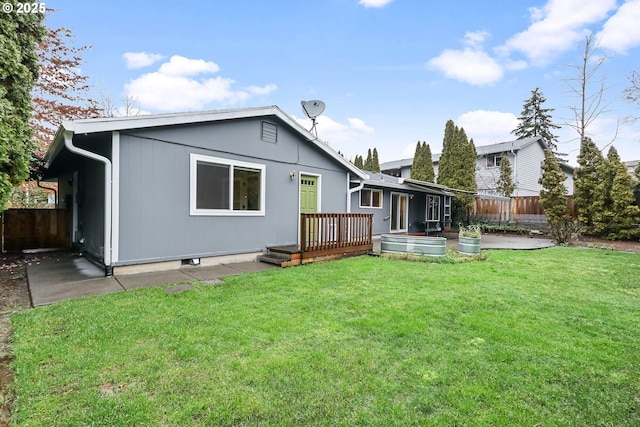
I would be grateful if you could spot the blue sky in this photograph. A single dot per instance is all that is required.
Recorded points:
(391, 72)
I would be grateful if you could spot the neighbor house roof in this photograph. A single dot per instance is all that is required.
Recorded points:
(631, 164)
(481, 150)
(110, 124)
(396, 164)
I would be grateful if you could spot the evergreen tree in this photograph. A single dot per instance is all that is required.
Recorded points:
(636, 184)
(429, 175)
(588, 195)
(368, 163)
(358, 162)
(505, 185)
(19, 36)
(447, 157)
(458, 168)
(375, 163)
(553, 194)
(603, 217)
(417, 167)
(625, 212)
(618, 216)
(535, 121)
(422, 168)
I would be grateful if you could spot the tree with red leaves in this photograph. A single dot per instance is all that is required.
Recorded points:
(59, 94)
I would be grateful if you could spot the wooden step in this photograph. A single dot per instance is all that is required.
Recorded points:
(273, 260)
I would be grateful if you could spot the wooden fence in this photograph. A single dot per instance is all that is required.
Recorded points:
(36, 229)
(523, 209)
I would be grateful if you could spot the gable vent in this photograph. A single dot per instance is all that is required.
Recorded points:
(269, 132)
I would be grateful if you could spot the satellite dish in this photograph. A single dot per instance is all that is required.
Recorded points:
(313, 109)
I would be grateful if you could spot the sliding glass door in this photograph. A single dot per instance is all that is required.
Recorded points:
(399, 212)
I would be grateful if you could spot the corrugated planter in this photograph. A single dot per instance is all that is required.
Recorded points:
(469, 239)
(419, 245)
(469, 245)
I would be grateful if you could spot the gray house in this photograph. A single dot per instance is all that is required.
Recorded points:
(153, 192)
(525, 155)
(403, 205)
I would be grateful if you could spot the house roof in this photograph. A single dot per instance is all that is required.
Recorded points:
(481, 150)
(110, 124)
(632, 164)
(396, 164)
(515, 145)
(387, 181)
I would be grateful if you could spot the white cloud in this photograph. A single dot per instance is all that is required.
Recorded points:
(181, 66)
(359, 125)
(351, 138)
(470, 66)
(140, 59)
(620, 33)
(475, 38)
(261, 90)
(374, 3)
(555, 28)
(185, 84)
(488, 127)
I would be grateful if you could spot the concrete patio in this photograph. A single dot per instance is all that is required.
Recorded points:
(59, 276)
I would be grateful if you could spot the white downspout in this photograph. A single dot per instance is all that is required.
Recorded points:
(68, 142)
(350, 191)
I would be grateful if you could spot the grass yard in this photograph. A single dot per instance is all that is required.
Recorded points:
(548, 338)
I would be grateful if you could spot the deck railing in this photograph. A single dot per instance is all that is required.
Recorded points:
(335, 232)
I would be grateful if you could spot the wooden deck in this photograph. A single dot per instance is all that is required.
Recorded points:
(326, 236)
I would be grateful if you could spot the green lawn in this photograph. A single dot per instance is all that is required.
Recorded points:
(528, 338)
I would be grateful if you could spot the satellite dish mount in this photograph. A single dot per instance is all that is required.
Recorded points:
(313, 109)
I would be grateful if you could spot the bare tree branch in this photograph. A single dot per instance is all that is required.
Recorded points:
(588, 89)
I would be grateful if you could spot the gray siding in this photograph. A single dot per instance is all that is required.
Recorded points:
(529, 170)
(154, 219)
(90, 199)
(487, 177)
(380, 225)
(569, 182)
(417, 210)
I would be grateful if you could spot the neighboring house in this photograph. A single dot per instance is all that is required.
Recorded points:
(217, 185)
(631, 166)
(525, 155)
(403, 204)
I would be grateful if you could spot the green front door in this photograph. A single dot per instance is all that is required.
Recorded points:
(309, 204)
(308, 194)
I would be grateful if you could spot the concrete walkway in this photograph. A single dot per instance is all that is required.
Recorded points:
(58, 276)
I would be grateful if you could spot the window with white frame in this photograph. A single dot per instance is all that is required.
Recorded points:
(226, 187)
(370, 198)
(493, 160)
(433, 208)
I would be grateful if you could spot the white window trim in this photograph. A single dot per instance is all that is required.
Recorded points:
(496, 163)
(406, 214)
(193, 176)
(372, 190)
(428, 208)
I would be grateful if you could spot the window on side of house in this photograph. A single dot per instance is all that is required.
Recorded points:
(433, 208)
(226, 187)
(370, 198)
(493, 160)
